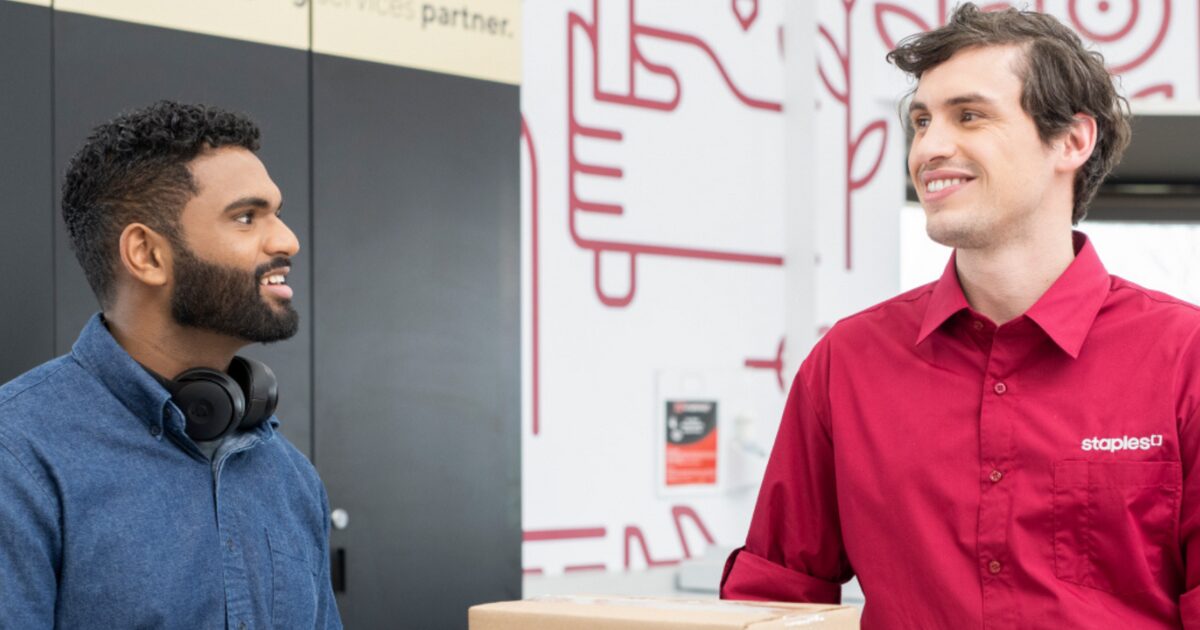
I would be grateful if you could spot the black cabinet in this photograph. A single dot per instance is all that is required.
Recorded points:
(416, 320)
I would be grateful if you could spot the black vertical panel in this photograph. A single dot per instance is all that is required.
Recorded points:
(26, 196)
(103, 67)
(417, 357)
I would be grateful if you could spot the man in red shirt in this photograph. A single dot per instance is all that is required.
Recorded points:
(1014, 445)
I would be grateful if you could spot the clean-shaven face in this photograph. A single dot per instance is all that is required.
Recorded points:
(979, 167)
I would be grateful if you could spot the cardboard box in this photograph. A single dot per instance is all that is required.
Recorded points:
(601, 612)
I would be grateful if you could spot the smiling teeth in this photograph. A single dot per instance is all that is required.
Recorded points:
(274, 280)
(940, 184)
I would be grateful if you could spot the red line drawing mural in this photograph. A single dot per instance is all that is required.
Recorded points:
(631, 98)
(577, 568)
(854, 141)
(678, 513)
(570, 533)
(746, 11)
(1123, 32)
(888, 14)
(775, 365)
(635, 533)
(577, 533)
(535, 302)
(632, 533)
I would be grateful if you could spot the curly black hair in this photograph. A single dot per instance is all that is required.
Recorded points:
(134, 168)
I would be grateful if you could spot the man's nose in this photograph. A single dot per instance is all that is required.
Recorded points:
(283, 241)
(936, 143)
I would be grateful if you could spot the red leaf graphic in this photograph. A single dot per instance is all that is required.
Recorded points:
(746, 11)
(879, 127)
(842, 76)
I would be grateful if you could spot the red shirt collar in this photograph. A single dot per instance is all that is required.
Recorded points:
(1065, 312)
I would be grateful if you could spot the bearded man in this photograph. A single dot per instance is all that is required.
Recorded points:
(143, 482)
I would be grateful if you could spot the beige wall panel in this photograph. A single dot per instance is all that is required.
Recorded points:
(473, 38)
(275, 22)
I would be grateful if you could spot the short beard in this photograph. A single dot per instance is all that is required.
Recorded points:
(226, 300)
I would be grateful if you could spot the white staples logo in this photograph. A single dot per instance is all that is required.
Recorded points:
(1123, 443)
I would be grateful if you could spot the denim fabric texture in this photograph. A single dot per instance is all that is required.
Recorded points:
(111, 517)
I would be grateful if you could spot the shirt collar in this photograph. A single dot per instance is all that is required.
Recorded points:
(99, 353)
(1065, 312)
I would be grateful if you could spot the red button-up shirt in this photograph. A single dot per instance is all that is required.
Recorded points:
(1039, 474)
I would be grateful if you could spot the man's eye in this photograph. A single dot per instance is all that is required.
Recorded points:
(245, 219)
(969, 116)
(920, 123)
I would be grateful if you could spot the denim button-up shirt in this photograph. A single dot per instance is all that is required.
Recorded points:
(111, 517)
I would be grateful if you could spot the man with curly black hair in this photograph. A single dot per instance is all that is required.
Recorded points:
(143, 482)
(1016, 445)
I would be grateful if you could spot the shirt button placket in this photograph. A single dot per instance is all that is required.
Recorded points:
(997, 412)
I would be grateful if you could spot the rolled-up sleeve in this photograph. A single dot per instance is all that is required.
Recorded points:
(29, 547)
(794, 550)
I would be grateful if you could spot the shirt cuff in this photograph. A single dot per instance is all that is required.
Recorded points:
(1189, 609)
(752, 577)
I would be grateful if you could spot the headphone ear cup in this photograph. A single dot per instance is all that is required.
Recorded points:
(260, 388)
(211, 402)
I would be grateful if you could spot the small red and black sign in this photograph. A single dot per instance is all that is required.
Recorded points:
(691, 443)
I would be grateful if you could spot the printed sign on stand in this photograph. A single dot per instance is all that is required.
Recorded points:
(691, 443)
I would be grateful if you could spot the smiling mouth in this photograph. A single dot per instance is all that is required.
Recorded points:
(275, 283)
(942, 187)
(939, 185)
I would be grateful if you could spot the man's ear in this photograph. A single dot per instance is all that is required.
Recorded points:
(1077, 143)
(145, 255)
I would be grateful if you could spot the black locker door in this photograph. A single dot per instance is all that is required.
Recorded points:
(416, 348)
(102, 67)
(26, 190)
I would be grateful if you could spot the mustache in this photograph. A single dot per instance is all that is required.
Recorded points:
(970, 168)
(271, 265)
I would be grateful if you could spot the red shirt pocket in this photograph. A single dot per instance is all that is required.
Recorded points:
(1115, 523)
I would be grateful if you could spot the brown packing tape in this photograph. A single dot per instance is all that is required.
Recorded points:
(473, 38)
(274, 22)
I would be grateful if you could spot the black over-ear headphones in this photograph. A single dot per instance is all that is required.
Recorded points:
(214, 404)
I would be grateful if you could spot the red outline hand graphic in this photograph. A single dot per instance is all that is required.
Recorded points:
(599, 221)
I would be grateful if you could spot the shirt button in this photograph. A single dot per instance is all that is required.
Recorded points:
(994, 567)
(155, 430)
(995, 476)
(241, 625)
(229, 544)
(978, 325)
(1000, 388)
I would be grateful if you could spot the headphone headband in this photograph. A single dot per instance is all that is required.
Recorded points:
(215, 403)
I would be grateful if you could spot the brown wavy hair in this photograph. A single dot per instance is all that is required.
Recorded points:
(1061, 78)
